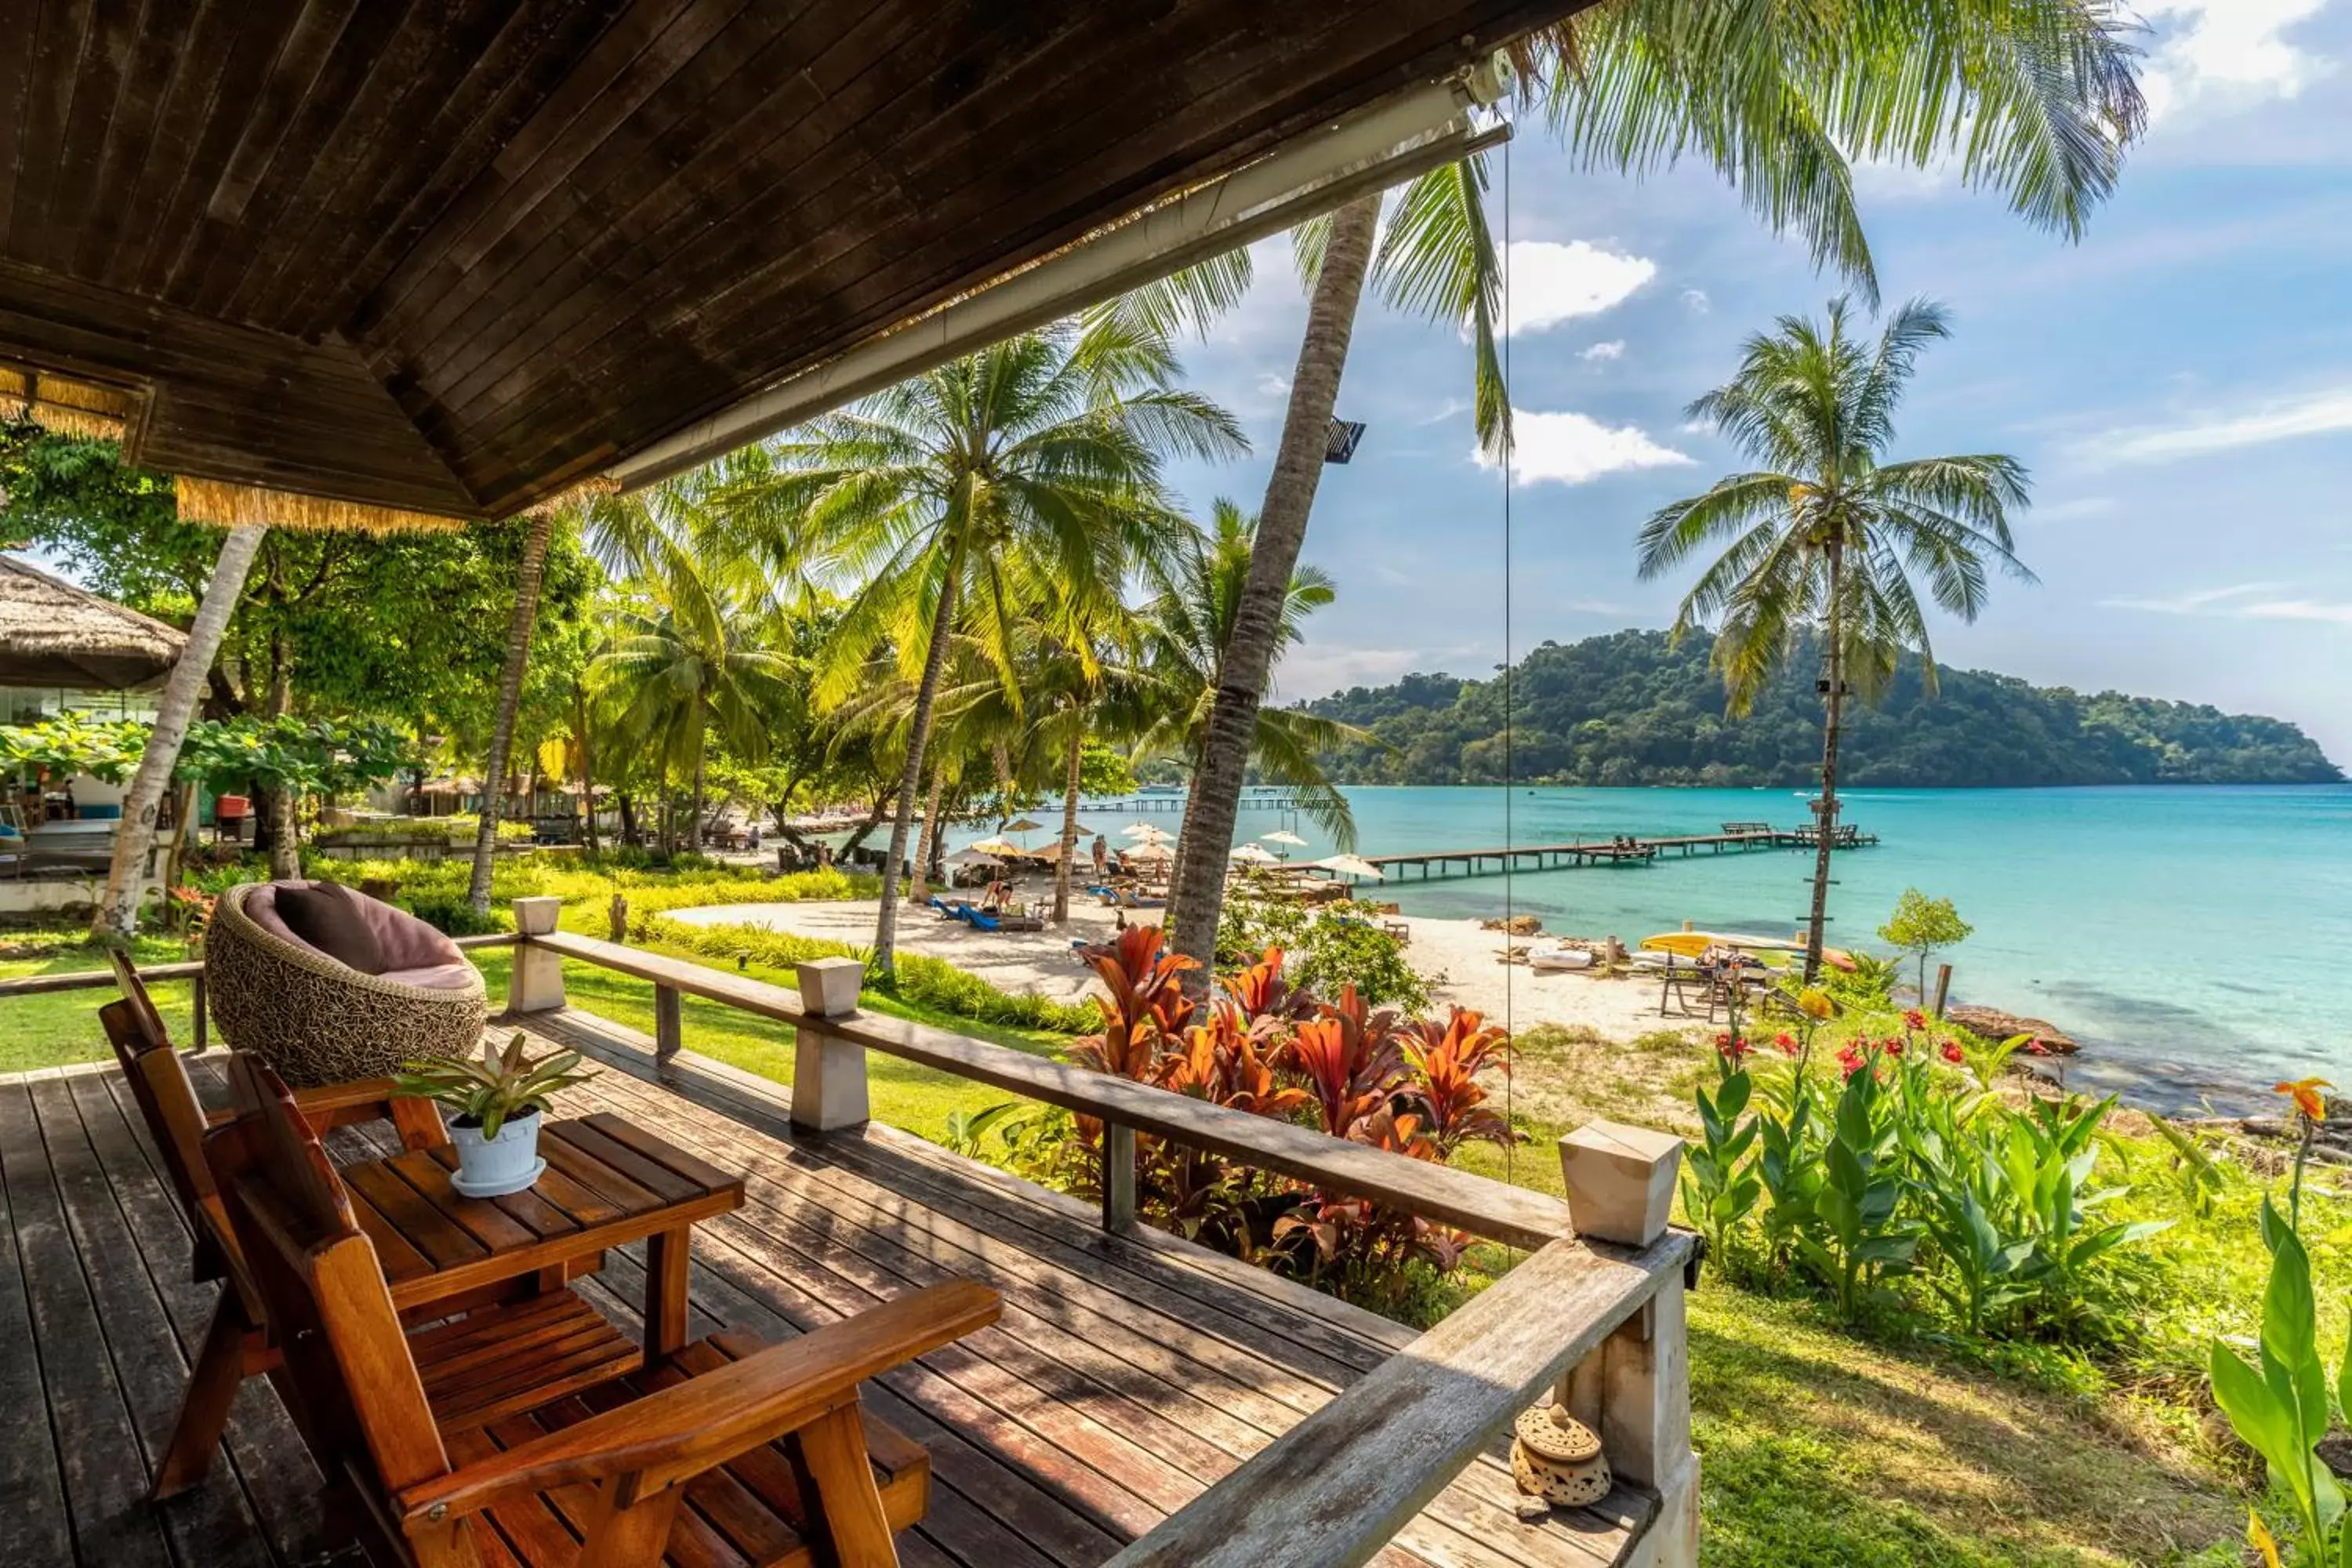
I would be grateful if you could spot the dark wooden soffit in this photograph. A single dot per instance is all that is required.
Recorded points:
(459, 255)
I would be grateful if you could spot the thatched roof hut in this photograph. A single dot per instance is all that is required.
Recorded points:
(54, 633)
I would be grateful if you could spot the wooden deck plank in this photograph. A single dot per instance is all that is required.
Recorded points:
(33, 1522)
(97, 1446)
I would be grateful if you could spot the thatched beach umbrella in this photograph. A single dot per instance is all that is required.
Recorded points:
(54, 633)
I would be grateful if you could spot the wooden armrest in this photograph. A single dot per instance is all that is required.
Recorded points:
(692, 1426)
(324, 1102)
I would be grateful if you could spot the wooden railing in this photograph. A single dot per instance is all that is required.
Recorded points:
(1595, 1314)
(200, 1036)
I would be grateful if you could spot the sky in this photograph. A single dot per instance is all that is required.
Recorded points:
(2179, 385)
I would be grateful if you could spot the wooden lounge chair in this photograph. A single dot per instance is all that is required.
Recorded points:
(771, 1434)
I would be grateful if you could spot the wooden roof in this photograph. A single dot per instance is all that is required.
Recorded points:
(457, 256)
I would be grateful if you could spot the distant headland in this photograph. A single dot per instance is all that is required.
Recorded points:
(1629, 709)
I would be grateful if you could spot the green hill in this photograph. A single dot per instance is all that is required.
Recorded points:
(1629, 709)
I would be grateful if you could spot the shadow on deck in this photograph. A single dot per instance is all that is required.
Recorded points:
(1128, 1372)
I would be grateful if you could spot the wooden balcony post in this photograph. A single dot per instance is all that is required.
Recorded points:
(535, 984)
(669, 1023)
(1117, 1176)
(828, 1072)
(1635, 1389)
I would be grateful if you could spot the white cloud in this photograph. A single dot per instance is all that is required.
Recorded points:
(1552, 283)
(1571, 449)
(2197, 601)
(2300, 610)
(2313, 413)
(1696, 303)
(1444, 411)
(2068, 510)
(1274, 386)
(1608, 351)
(1318, 669)
(2228, 54)
(2240, 602)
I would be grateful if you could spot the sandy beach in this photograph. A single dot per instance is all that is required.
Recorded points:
(1461, 962)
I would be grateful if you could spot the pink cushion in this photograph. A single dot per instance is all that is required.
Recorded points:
(439, 977)
(409, 945)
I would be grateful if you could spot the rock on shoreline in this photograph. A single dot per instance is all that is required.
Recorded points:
(1995, 1024)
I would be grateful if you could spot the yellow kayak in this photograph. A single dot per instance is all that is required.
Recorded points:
(1693, 944)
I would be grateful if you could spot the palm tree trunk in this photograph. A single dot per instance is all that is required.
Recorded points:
(926, 846)
(1832, 722)
(118, 912)
(701, 759)
(910, 777)
(285, 837)
(1069, 824)
(526, 612)
(587, 768)
(1198, 895)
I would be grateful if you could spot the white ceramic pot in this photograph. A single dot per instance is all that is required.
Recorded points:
(487, 1167)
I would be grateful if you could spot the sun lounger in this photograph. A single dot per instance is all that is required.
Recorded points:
(980, 922)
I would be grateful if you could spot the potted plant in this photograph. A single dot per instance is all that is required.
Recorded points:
(498, 1099)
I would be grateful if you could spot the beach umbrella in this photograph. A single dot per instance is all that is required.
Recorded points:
(970, 856)
(1351, 866)
(1145, 831)
(1285, 838)
(1151, 852)
(996, 847)
(1251, 855)
(1024, 825)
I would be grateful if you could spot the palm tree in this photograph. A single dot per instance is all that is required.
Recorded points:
(1189, 631)
(117, 913)
(953, 498)
(689, 656)
(520, 624)
(1824, 537)
(2035, 98)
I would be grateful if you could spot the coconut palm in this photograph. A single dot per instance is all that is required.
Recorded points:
(1822, 539)
(1188, 631)
(955, 499)
(689, 656)
(2033, 98)
(118, 912)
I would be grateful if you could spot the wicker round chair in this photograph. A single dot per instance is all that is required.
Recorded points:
(317, 1020)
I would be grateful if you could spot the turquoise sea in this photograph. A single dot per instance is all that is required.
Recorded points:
(2197, 940)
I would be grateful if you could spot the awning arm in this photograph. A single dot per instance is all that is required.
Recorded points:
(1382, 146)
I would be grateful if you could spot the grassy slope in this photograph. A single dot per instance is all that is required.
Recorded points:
(1818, 1447)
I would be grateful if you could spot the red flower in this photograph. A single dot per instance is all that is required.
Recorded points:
(1893, 1048)
(1723, 1040)
(1733, 1049)
(1787, 1042)
(2036, 1049)
(1915, 1019)
(1953, 1053)
(1850, 1060)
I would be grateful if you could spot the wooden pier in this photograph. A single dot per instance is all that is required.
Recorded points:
(1256, 797)
(1625, 849)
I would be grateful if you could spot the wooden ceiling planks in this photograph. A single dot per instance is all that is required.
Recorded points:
(457, 255)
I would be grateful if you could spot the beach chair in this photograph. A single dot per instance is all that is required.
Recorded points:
(980, 920)
(772, 1439)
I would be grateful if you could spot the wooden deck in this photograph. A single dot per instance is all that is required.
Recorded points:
(1129, 1371)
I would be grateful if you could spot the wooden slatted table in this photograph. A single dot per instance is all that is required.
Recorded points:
(608, 1181)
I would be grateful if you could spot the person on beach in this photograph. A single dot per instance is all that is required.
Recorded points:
(1101, 856)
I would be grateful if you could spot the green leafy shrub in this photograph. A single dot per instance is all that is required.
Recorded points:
(455, 915)
(1329, 948)
(1910, 1166)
